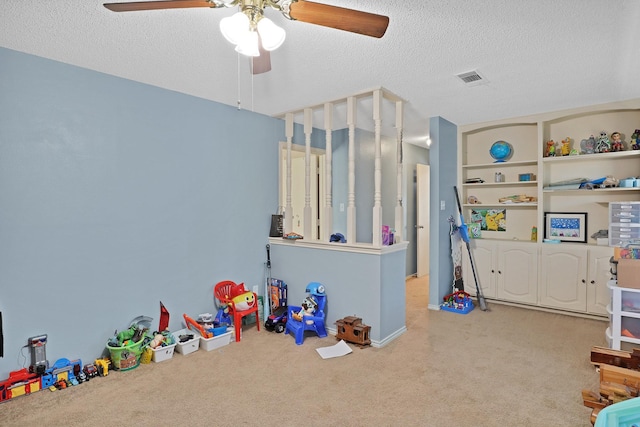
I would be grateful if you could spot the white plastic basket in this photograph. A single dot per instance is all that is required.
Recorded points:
(160, 354)
(189, 346)
(218, 341)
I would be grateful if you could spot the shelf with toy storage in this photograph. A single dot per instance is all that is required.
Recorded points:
(508, 186)
(572, 275)
(613, 166)
(624, 311)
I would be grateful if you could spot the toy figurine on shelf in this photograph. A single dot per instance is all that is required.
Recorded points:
(616, 142)
(603, 145)
(588, 146)
(635, 140)
(550, 149)
(566, 147)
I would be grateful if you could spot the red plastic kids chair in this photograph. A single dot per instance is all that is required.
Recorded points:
(240, 302)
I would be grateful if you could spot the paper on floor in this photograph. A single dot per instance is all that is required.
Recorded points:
(340, 349)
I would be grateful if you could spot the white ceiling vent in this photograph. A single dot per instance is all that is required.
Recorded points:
(472, 78)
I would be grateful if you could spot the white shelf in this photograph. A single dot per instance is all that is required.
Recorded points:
(591, 157)
(584, 192)
(501, 164)
(502, 205)
(500, 184)
(616, 315)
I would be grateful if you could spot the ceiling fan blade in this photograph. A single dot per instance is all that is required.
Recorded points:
(261, 64)
(154, 5)
(355, 21)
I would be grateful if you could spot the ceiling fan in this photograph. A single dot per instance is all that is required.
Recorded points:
(255, 35)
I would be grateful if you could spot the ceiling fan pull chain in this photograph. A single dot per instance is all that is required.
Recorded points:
(238, 79)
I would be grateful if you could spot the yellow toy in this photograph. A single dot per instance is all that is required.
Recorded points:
(565, 150)
(103, 366)
(244, 301)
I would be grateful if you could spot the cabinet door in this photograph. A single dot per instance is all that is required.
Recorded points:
(598, 295)
(484, 261)
(517, 274)
(564, 277)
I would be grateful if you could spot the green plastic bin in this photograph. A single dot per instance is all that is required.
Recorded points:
(126, 357)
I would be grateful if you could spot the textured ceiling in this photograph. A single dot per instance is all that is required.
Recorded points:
(536, 56)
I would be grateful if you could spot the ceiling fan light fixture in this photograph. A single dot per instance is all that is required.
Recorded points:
(271, 35)
(234, 28)
(248, 45)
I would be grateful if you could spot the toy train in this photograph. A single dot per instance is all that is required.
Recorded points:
(353, 330)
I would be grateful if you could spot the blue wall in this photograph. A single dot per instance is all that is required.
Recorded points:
(443, 160)
(116, 195)
(367, 285)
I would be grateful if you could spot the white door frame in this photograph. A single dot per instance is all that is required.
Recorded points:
(422, 218)
(317, 186)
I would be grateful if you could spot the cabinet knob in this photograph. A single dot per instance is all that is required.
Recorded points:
(493, 271)
(499, 272)
(584, 281)
(593, 282)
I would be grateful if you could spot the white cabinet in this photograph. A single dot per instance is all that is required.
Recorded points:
(624, 321)
(484, 256)
(574, 277)
(569, 276)
(506, 270)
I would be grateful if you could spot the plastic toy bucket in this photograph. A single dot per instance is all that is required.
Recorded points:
(126, 357)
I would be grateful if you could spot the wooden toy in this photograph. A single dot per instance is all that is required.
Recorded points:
(352, 329)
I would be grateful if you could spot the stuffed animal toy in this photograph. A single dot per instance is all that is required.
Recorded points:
(244, 301)
(157, 341)
(309, 307)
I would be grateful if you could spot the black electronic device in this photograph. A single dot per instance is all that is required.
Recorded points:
(37, 348)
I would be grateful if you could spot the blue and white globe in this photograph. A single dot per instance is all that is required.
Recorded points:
(501, 151)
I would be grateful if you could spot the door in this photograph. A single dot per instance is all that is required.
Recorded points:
(298, 177)
(484, 260)
(422, 219)
(598, 295)
(564, 277)
(517, 278)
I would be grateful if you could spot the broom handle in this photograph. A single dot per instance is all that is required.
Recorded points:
(481, 300)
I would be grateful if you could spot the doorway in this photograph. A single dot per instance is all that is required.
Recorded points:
(422, 218)
(298, 180)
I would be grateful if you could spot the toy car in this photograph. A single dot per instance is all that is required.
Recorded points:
(90, 371)
(277, 321)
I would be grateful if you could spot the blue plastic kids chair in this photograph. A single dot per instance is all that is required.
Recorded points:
(310, 316)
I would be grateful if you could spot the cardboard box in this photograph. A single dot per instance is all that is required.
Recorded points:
(628, 273)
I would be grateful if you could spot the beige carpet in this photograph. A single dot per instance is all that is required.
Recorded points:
(506, 367)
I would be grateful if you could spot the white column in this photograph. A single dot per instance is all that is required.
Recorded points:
(307, 176)
(377, 173)
(327, 227)
(399, 217)
(288, 210)
(351, 195)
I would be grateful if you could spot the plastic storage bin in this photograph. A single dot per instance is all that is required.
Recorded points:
(621, 414)
(160, 354)
(189, 346)
(126, 357)
(216, 341)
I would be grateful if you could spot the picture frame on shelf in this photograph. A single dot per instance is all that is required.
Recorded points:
(566, 226)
